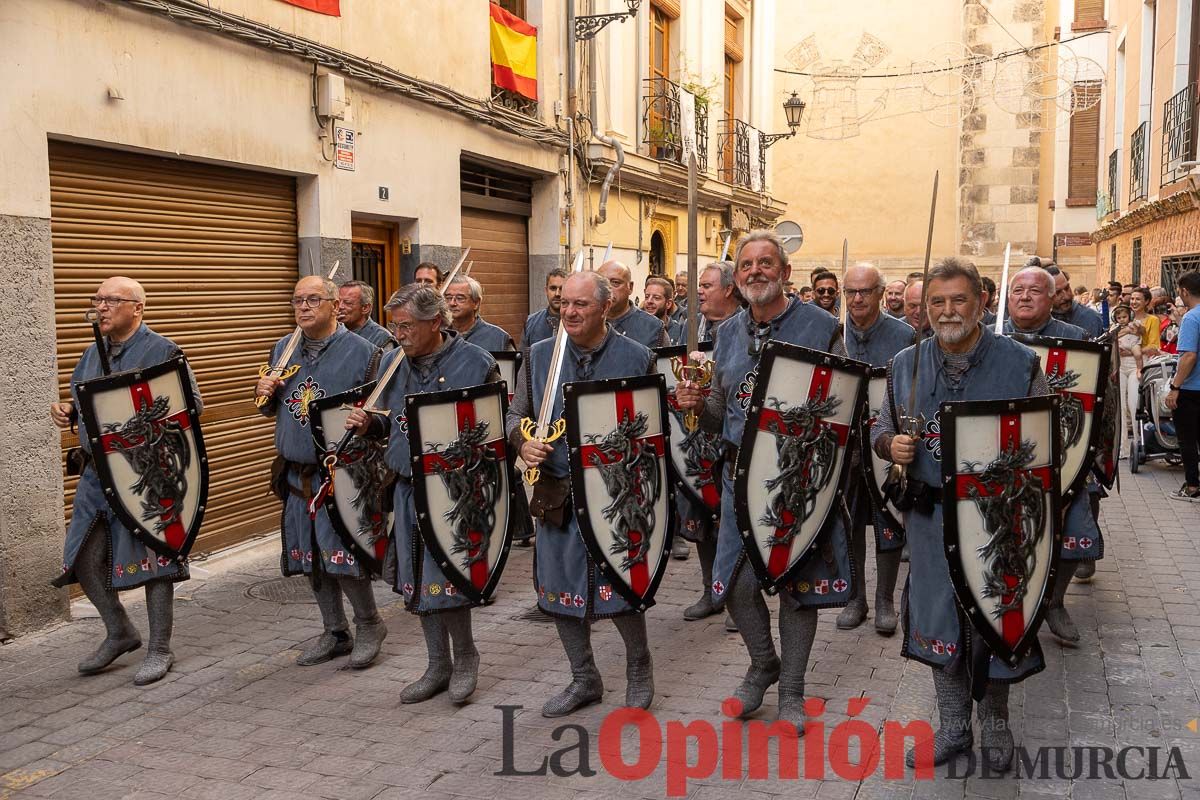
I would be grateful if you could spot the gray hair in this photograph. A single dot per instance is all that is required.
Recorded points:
(422, 302)
(762, 235)
(601, 287)
(1044, 274)
(726, 270)
(475, 288)
(954, 267)
(365, 289)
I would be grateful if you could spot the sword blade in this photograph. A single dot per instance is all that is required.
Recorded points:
(725, 248)
(560, 347)
(842, 285)
(454, 272)
(912, 394)
(1003, 298)
(607, 254)
(693, 325)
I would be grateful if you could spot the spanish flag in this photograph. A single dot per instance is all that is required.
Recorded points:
(330, 7)
(514, 53)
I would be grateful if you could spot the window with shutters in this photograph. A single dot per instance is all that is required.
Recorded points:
(1089, 15)
(1112, 263)
(1084, 160)
(1135, 262)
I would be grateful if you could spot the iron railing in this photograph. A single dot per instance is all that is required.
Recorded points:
(733, 152)
(1179, 134)
(660, 124)
(1114, 181)
(1138, 183)
(517, 102)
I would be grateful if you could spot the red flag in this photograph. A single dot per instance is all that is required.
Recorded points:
(330, 7)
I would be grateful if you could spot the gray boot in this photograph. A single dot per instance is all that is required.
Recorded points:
(953, 735)
(437, 675)
(1085, 571)
(887, 566)
(335, 641)
(704, 607)
(639, 669)
(160, 608)
(797, 630)
(585, 687)
(995, 733)
(91, 568)
(855, 612)
(369, 627)
(1057, 618)
(680, 549)
(749, 611)
(464, 673)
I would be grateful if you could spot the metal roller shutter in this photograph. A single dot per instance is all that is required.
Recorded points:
(500, 249)
(215, 249)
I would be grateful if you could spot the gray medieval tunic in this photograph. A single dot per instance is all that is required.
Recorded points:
(1083, 317)
(377, 335)
(824, 577)
(645, 329)
(458, 364)
(876, 345)
(539, 325)
(488, 337)
(130, 563)
(327, 368)
(998, 368)
(1082, 539)
(567, 581)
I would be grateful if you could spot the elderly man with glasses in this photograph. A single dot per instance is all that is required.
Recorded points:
(98, 547)
(329, 360)
(356, 300)
(464, 296)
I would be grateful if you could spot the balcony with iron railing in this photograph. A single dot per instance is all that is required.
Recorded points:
(1138, 179)
(733, 152)
(661, 124)
(1114, 181)
(1179, 134)
(515, 102)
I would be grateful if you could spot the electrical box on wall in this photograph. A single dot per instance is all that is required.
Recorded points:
(331, 96)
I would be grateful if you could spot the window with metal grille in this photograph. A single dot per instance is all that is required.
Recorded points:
(478, 179)
(1174, 266)
(1112, 263)
(1138, 183)
(1135, 261)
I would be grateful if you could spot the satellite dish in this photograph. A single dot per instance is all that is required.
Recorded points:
(791, 234)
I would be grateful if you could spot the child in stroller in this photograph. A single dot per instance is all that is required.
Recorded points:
(1153, 429)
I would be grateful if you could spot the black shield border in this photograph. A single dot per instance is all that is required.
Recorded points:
(681, 484)
(772, 351)
(1093, 445)
(122, 380)
(866, 454)
(950, 414)
(414, 402)
(571, 394)
(373, 565)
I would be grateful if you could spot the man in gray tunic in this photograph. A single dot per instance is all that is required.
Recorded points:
(99, 552)
(626, 318)
(330, 360)
(356, 299)
(1068, 310)
(543, 324)
(963, 361)
(464, 296)
(570, 586)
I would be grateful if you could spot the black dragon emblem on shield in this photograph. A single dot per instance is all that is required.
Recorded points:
(1070, 409)
(1013, 519)
(806, 452)
(630, 471)
(470, 471)
(700, 448)
(156, 448)
(364, 463)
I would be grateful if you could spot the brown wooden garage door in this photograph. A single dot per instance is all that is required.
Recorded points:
(500, 249)
(215, 249)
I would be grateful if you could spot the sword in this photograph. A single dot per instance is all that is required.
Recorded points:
(544, 430)
(281, 368)
(910, 425)
(93, 316)
(842, 284)
(607, 254)
(467, 268)
(725, 248)
(701, 372)
(1002, 301)
(454, 272)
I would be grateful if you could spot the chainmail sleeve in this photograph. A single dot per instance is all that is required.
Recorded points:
(883, 432)
(1038, 385)
(712, 416)
(519, 408)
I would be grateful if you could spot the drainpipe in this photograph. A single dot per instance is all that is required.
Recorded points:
(602, 205)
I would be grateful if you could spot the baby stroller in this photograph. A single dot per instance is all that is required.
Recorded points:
(1153, 430)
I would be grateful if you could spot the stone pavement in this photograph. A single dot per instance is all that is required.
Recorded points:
(236, 719)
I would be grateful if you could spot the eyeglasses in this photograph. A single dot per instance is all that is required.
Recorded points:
(110, 301)
(825, 292)
(403, 328)
(312, 301)
(850, 294)
(457, 298)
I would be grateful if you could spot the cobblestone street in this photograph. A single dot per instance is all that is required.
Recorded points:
(236, 719)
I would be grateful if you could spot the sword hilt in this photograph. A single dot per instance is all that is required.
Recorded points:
(699, 373)
(282, 373)
(529, 429)
(912, 427)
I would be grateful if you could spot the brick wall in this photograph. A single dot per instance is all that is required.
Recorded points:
(1172, 234)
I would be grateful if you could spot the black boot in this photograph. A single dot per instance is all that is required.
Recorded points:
(704, 607)
(1057, 618)
(797, 630)
(369, 628)
(953, 735)
(160, 609)
(639, 669)
(437, 674)
(91, 568)
(464, 673)
(995, 733)
(585, 687)
(749, 610)
(335, 641)
(855, 612)
(887, 566)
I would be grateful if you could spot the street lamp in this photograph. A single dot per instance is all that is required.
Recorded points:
(587, 26)
(793, 109)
